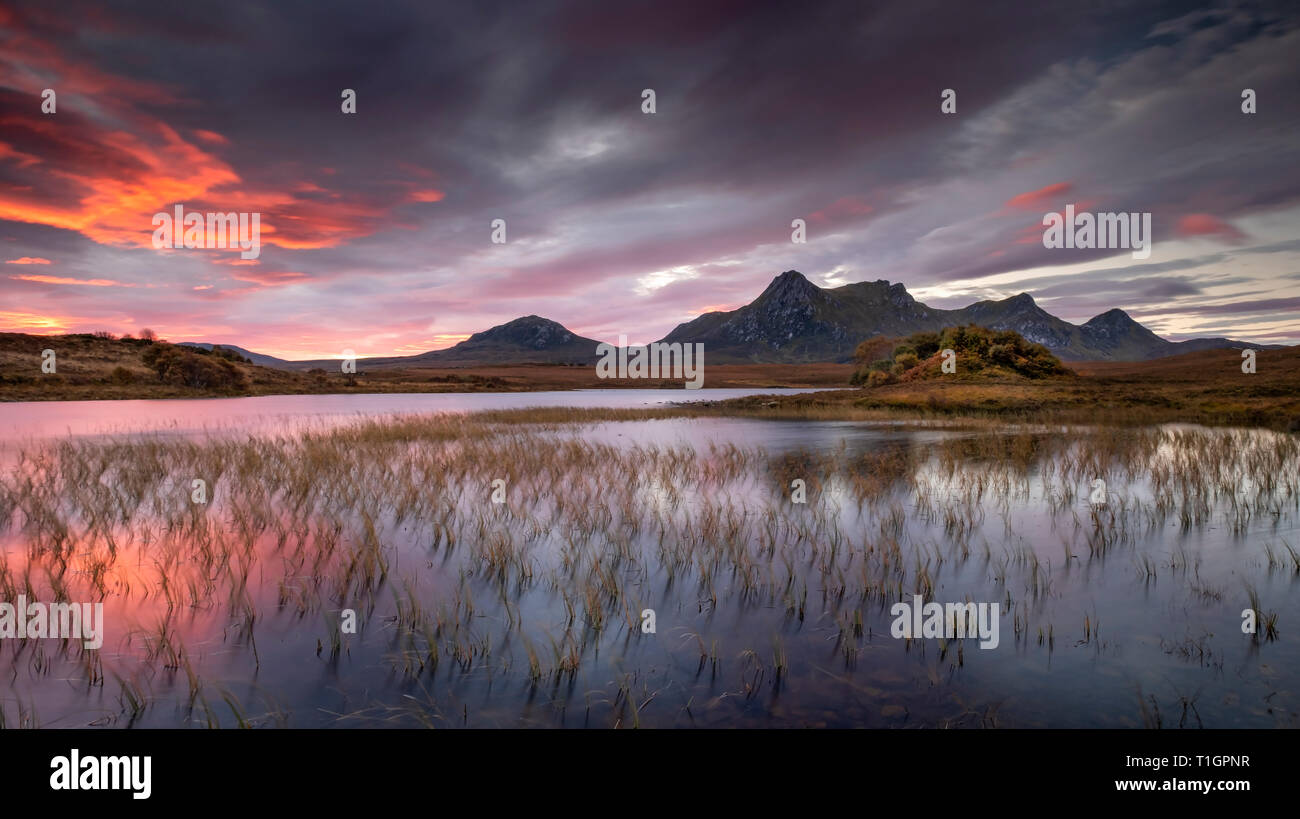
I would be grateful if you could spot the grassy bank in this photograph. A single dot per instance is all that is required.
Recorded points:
(1205, 388)
(91, 368)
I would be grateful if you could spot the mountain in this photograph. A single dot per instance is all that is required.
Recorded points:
(526, 340)
(795, 321)
(1116, 334)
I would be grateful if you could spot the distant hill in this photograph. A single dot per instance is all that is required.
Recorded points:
(257, 358)
(526, 340)
(529, 339)
(794, 321)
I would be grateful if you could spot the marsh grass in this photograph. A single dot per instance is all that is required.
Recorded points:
(538, 600)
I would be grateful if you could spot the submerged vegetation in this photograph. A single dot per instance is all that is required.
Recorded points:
(529, 611)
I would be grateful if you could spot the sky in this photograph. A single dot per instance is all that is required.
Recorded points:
(376, 226)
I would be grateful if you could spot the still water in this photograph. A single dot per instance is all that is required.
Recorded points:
(39, 419)
(523, 603)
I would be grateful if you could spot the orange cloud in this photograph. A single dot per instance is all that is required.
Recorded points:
(29, 260)
(105, 170)
(14, 322)
(113, 202)
(116, 208)
(65, 280)
(24, 160)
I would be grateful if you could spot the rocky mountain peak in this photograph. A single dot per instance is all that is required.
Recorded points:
(791, 286)
(1113, 326)
(1110, 318)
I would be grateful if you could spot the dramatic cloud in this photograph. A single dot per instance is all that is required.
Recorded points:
(376, 226)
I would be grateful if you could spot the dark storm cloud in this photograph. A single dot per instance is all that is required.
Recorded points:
(469, 112)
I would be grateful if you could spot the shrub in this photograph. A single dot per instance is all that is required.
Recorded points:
(1002, 354)
(121, 376)
(978, 348)
(151, 356)
(228, 354)
(188, 368)
(870, 350)
(968, 339)
(924, 344)
(876, 378)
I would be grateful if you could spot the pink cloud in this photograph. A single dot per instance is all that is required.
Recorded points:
(29, 260)
(429, 195)
(1043, 197)
(1203, 224)
(842, 209)
(271, 278)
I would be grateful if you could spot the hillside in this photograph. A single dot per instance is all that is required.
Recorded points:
(1205, 386)
(97, 367)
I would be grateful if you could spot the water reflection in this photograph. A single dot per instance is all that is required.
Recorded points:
(528, 612)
